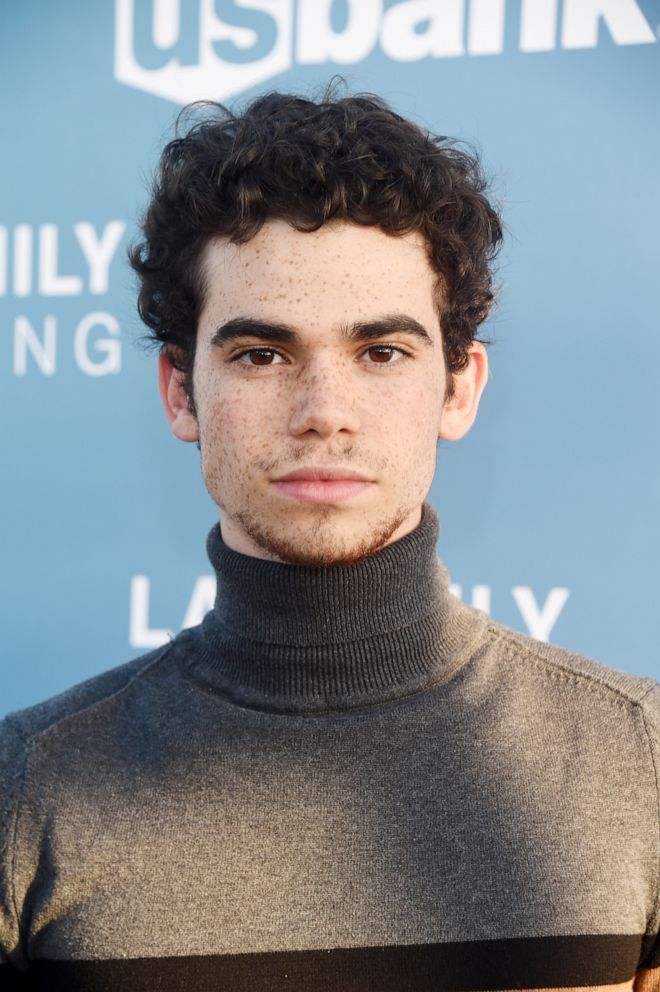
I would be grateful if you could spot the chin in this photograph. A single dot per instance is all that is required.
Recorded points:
(322, 542)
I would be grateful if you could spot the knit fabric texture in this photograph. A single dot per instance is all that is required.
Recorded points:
(344, 779)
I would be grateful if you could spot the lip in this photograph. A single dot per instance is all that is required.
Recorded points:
(318, 473)
(326, 484)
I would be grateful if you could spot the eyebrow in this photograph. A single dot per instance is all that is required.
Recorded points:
(361, 330)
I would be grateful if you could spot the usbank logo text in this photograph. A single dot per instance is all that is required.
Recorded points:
(187, 50)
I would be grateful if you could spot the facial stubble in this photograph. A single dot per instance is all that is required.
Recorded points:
(320, 540)
(323, 546)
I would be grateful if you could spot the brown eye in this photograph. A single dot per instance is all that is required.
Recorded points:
(259, 357)
(384, 354)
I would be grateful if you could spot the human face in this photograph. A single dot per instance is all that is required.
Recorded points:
(318, 353)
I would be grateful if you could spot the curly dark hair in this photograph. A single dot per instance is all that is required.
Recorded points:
(308, 162)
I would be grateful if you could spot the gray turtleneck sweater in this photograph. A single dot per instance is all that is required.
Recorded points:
(344, 780)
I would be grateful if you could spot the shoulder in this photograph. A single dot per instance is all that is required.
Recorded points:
(600, 720)
(20, 729)
(67, 739)
(586, 677)
(581, 670)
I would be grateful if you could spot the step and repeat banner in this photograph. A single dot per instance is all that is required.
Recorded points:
(549, 507)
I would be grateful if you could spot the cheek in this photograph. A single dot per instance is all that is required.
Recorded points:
(231, 431)
(414, 414)
(412, 435)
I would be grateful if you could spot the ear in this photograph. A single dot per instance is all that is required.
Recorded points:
(175, 400)
(460, 410)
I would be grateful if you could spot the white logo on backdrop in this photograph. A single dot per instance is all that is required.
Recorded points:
(31, 266)
(539, 618)
(216, 49)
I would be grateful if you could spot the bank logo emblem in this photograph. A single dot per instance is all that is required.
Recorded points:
(187, 50)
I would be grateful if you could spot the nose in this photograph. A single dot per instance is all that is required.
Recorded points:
(324, 402)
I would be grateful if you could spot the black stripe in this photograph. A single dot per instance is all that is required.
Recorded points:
(542, 962)
(650, 956)
(14, 981)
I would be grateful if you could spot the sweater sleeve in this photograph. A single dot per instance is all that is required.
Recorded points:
(12, 759)
(651, 711)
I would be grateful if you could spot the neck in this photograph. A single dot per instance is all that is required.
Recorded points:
(307, 639)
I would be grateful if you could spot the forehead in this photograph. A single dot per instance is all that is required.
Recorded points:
(342, 272)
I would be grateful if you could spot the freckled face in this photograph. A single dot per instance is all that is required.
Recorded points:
(330, 395)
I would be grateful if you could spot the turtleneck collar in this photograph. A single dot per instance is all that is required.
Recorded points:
(299, 639)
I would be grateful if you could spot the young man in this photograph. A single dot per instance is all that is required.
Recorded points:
(344, 778)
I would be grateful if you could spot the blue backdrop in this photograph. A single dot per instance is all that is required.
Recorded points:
(549, 507)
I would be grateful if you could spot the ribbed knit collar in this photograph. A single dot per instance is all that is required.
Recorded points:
(300, 639)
